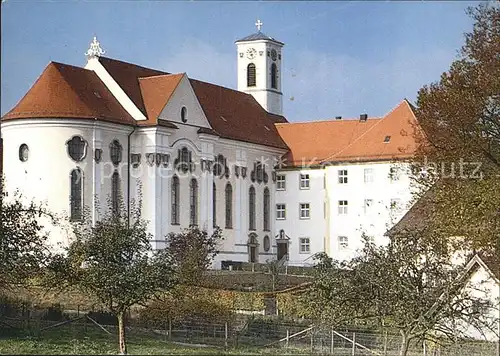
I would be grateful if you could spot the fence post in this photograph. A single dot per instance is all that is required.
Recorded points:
(385, 343)
(225, 334)
(287, 338)
(312, 340)
(331, 345)
(169, 328)
(353, 343)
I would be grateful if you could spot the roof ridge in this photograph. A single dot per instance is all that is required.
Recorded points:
(129, 63)
(220, 86)
(161, 75)
(356, 140)
(333, 120)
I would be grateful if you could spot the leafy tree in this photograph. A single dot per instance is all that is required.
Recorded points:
(23, 240)
(113, 260)
(192, 252)
(407, 285)
(460, 115)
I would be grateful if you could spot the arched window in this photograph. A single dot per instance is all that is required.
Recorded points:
(115, 152)
(267, 207)
(183, 161)
(214, 205)
(251, 75)
(184, 114)
(229, 206)
(76, 196)
(251, 208)
(193, 202)
(274, 76)
(115, 192)
(174, 197)
(77, 148)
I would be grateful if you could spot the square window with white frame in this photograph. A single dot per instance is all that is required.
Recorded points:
(304, 181)
(343, 242)
(369, 175)
(305, 245)
(280, 182)
(280, 211)
(342, 176)
(343, 207)
(305, 210)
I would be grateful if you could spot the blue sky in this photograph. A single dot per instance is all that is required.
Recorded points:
(340, 58)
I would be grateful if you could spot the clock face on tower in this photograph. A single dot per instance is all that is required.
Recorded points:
(251, 53)
(273, 54)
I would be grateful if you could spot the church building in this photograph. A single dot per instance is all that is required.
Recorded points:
(197, 153)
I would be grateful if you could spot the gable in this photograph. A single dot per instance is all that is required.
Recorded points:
(230, 113)
(184, 96)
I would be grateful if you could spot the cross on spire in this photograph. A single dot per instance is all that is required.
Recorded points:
(259, 24)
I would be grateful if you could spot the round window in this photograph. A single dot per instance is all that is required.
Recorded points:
(23, 152)
(267, 243)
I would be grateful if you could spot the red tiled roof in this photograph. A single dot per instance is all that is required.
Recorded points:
(231, 113)
(65, 91)
(157, 91)
(236, 115)
(352, 140)
(127, 76)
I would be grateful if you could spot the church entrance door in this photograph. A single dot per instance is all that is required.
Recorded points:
(282, 250)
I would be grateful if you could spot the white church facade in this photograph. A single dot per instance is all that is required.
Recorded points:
(202, 154)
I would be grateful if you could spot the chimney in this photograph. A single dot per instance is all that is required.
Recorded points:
(338, 117)
(363, 117)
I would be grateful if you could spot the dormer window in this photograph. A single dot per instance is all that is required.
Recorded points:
(387, 139)
(184, 114)
(251, 75)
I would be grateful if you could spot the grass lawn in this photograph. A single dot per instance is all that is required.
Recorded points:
(75, 339)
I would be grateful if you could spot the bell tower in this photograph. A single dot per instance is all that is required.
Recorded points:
(259, 69)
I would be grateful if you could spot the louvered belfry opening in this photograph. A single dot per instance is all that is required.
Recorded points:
(274, 76)
(251, 75)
